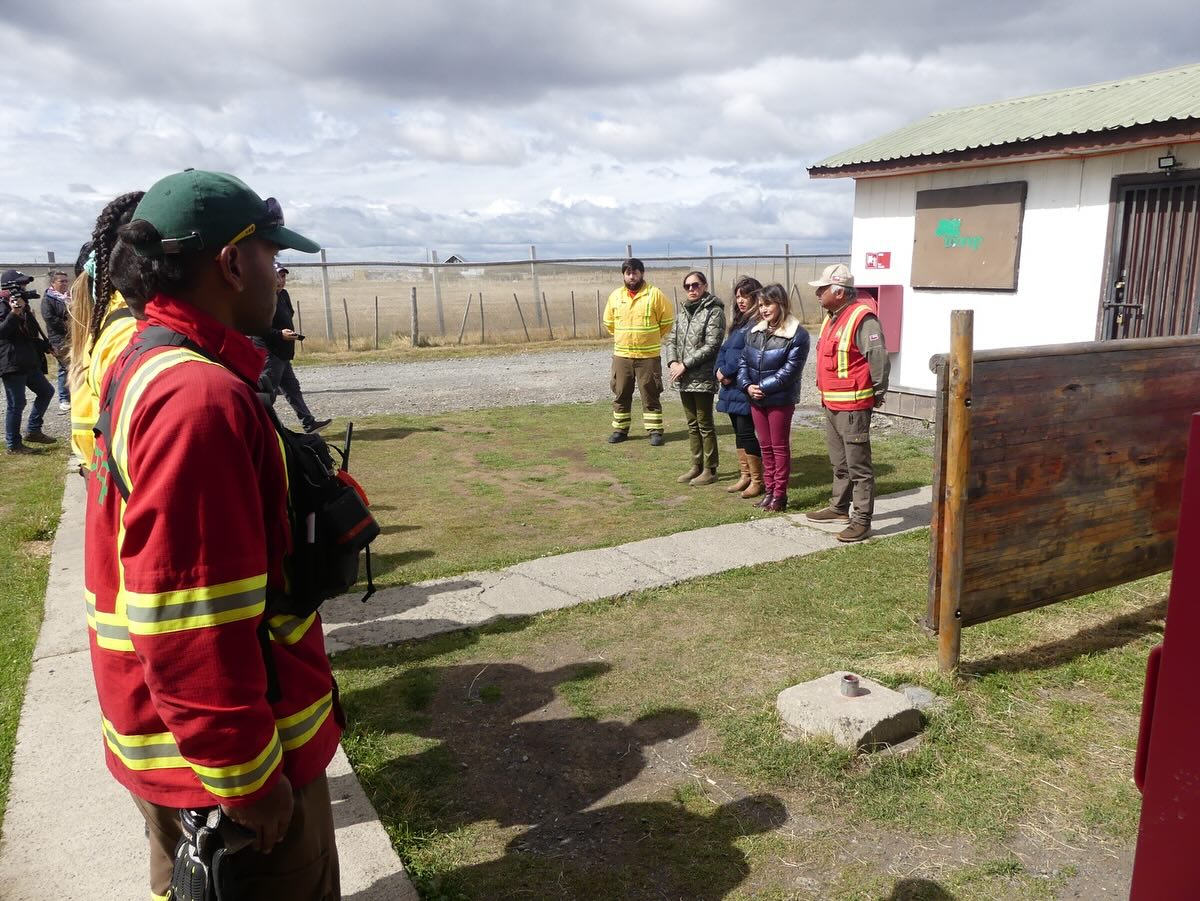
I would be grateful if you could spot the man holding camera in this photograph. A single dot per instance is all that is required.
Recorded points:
(23, 349)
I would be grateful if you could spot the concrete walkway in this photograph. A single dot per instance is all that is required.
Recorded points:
(70, 832)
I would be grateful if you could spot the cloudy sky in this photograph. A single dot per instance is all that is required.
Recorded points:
(388, 129)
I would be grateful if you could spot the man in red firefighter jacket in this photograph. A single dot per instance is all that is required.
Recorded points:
(852, 377)
(177, 576)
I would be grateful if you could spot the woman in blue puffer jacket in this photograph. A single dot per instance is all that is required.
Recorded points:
(733, 400)
(769, 373)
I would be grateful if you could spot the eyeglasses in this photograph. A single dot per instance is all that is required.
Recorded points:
(693, 286)
(273, 219)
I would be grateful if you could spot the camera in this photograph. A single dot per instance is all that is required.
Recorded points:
(15, 283)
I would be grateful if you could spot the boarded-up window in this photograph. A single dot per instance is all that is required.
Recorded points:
(969, 237)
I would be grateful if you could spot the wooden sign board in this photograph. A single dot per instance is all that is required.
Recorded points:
(1075, 466)
(969, 237)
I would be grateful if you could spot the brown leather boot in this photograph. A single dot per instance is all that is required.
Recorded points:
(705, 478)
(744, 482)
(755, 488)
(690, 474)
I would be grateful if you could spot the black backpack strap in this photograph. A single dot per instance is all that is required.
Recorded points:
(116, 315)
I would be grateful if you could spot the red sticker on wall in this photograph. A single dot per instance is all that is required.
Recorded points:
(879, 260)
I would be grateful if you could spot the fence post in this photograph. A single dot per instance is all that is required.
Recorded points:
(325, 292)
(574, 334)
(549, 325)
(412, 314)
(711, 273)
(958, 465)
(346, 311)
(524, 327)
(437, 294)
(599, 316)
(787, 266)
(377, 321)
(536, 290)
(628, 251)
(299, 327)
(462, 328)
(482, 330)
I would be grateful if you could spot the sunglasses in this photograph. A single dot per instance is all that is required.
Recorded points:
(273, 219)
(693, 286)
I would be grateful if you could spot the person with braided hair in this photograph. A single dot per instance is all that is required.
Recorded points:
(102, 321)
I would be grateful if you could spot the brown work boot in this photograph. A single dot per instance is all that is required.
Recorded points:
(755, 488)
(827, 514)
(744, 482)
(856, 531)
(690, 474)
(705, 478)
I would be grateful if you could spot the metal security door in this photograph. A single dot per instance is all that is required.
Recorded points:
(1157, 271)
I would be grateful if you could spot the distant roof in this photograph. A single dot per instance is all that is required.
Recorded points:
(1158, 98)
(454, 258)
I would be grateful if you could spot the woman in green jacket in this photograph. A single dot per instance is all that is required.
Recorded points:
(692, 347)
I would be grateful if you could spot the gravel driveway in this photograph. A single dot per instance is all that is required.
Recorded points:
(468, 383)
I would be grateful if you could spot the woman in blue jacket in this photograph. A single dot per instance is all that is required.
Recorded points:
(769, 373)
(733, 400)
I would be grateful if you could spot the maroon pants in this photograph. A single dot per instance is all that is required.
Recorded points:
(773, 426)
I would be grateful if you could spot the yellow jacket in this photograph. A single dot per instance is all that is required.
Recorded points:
(638, 323)
(85, 404)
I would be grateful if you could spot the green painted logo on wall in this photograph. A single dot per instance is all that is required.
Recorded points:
(950, 231)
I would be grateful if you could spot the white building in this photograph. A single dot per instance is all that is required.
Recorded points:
(1076, 219)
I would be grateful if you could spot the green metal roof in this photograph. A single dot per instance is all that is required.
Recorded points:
(1144, 99)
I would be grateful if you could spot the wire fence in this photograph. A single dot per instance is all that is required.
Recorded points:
(366, 305)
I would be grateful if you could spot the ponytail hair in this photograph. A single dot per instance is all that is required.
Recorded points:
(104, 238)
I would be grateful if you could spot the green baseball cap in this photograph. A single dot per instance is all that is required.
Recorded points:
(197, 210)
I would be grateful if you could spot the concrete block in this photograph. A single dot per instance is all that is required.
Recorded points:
(876, 717)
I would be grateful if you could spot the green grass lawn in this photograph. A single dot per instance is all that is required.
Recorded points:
(30, 503)
(630, 749)
(486, 489)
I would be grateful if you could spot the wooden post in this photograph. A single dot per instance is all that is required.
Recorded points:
(524, 327)
(711, 273)
(628, 251)
(325, 292)
(533, 274)
(549, 325)
(437, 294)
(377, 321)
(346, 311)
(574, 334)
(787, 266)
(299, 327)
(958, 467)
(412, 316)
(599, 316)
(462, 328)
(482, 330)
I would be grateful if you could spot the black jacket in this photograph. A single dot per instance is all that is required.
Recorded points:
(22, 347)
(284, 317)
(57, 318)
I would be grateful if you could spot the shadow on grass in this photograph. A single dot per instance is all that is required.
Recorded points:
(1106, 636)
(382, 564)
(509, 754)
(918, 890)
(391, 433)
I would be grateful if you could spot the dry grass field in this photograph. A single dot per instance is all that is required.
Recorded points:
(574, 298)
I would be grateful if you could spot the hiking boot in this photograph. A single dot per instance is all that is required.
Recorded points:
(20, 449)
(856, 531)
(617, 437)
(690, 474)
(40, 438)
(657, 439)
(827, 514)
(316, 425)
(705, 478)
